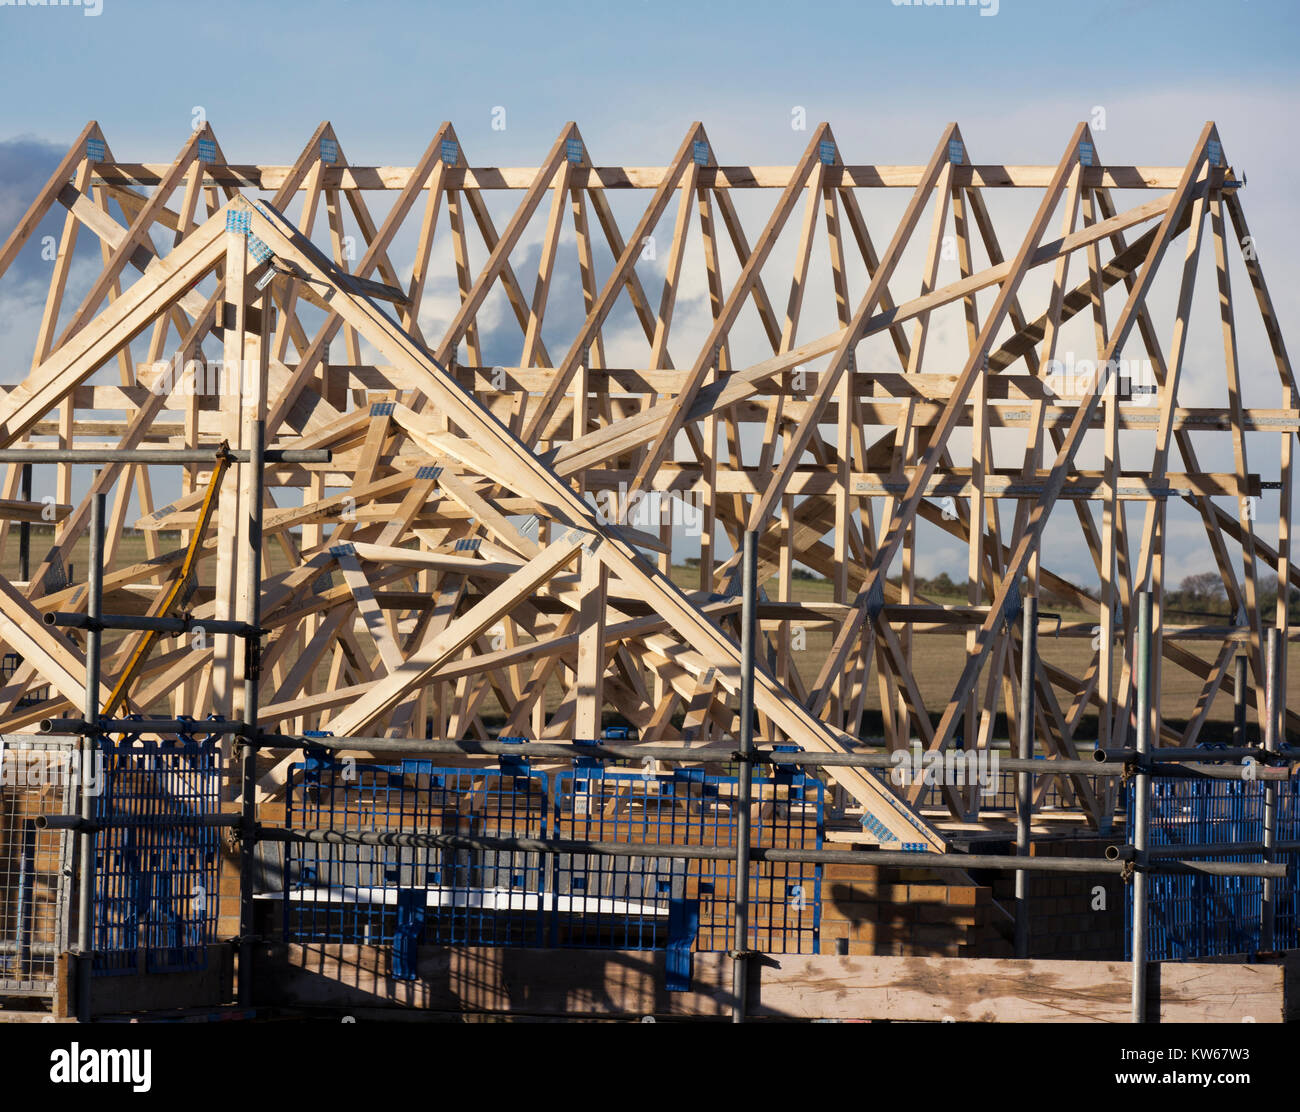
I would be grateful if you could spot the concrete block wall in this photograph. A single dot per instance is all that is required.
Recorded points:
(1071, 915)
(869, 909)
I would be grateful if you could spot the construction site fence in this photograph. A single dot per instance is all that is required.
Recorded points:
(1194, 916)
(405, 895)
(157, 854)
(38, 777)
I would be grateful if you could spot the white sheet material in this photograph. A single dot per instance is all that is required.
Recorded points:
(488, 899)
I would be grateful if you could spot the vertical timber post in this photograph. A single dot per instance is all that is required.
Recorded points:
(1141, 808)
(1239, 685)
(1024, 779)
(227, 662)
(744, 791)
(89, 752)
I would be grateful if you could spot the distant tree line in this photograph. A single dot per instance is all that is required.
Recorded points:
(1198, 596)
(1204, 594)
(943, 585)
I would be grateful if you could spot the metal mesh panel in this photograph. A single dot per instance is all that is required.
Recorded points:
(156, 865)
(403, 895)
(1003, 796)
(37, 777)
(1191, 916)
(788, 812)
(383, 894)
(1056, 799)
(1286, 918)
(620, 902)
(640, 903)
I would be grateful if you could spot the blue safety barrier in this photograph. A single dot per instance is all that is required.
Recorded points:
(1286, 917)
(1058, 794)
(1196, 916)
(403, 896)
(156, 860)
(368, 894)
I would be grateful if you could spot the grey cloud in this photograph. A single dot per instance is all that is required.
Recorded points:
(26, 164)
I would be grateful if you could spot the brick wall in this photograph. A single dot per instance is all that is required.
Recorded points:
(870, 909)
(1071, 915)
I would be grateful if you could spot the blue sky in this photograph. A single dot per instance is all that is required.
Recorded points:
(632, 74)
(888, 77)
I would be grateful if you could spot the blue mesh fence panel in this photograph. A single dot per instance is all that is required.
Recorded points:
(1058, 794)
(1193, 916)
(620, 902)
(156, 864)
(1286, 918)
(408, 894)
(400, 896)
(628, 903)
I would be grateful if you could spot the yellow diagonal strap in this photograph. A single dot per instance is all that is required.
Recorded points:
(162, 610)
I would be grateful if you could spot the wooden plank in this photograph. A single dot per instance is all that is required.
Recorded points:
(35, 213)
(782, 986)
(124, 319)
(1065, 457)
(656, 650)
(599, 311)
(143, 993)
(475, 179)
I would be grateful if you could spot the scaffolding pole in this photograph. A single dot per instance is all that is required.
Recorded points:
(89, 745)
(744, 790)
(247, 748)
(885, 858)
(139, 456)
(1024, 781)
(1272, 715)
(1141, 808)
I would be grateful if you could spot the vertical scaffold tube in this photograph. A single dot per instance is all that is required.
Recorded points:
(1272, 717)
(748, 632)
(248, 749)
(89, 753)
(1024, 781)
(1141, 808)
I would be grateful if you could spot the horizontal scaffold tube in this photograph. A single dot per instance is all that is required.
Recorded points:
(1173, 753)
(635, 751)
(76, 822)
(763, 853)
(158, 455)
(73, 620)
(1209, 849)
(144, 726)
